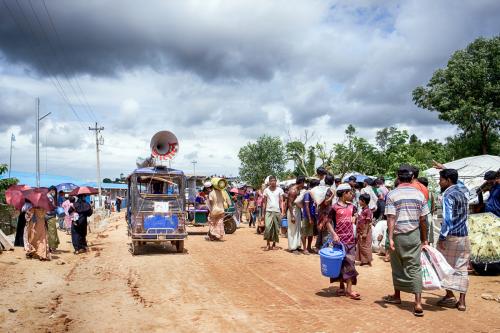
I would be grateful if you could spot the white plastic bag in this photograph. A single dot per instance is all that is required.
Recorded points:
(438, 261)
(318, 194)
(430, 280)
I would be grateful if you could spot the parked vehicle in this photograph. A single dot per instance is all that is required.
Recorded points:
(156, 207)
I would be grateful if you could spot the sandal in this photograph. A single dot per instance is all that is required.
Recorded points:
(340, 292)
(447, 301)
(418, 312)
(391, 299)
(460, 307)
(355, 296)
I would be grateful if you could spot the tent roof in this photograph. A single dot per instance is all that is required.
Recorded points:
(471, 170)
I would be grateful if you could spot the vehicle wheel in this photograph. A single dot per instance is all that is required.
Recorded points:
(136, 248)
(180, 246)
(229, 225)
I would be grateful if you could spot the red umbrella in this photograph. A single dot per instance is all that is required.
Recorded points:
(15, 197)
(84, 190)
(38, 198)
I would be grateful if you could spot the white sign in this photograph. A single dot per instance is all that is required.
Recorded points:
(161, 207)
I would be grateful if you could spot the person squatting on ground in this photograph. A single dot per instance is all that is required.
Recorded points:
(273, 207)
(342, 230)
(453, 240)
(406, 208)
(309, 220)
(294, 214)
(364, 232)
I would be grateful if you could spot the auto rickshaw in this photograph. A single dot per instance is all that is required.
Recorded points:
(156, 207)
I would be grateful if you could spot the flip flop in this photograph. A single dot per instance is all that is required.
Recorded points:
(354, 296)
(447, 301)
(418, 313)
(340, 292)
(391, 299)
(460, 307)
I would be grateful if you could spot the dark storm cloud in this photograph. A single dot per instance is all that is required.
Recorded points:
(105, 38)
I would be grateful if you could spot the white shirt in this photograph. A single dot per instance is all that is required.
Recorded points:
(373, 197)
(273, 199)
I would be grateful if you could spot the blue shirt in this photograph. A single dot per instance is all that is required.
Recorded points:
(312, 209)
(493, 203)
(455, 213)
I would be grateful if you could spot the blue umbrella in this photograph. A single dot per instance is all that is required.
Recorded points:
(66, 187)
(359, 178)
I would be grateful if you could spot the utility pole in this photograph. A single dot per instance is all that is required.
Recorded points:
(12, 139)
(97, 143)
(38, 119)
(194, 172)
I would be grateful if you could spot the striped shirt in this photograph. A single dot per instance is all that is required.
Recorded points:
(455, 213)
(408, 204)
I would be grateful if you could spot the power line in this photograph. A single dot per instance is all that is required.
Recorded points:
(59, 40)
(55, 82)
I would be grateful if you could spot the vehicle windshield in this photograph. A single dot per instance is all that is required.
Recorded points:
(158, 186)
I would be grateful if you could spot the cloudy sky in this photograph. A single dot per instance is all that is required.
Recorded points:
(218, 74)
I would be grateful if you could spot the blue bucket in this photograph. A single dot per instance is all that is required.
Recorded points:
(284, 223)
(331, 260)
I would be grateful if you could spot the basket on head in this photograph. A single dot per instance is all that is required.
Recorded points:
(219, 183)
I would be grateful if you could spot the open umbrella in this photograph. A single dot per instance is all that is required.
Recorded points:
(66, 187)
(234, 190)
(483, 234)
(38, 198)
(88, 190)
(14, 196)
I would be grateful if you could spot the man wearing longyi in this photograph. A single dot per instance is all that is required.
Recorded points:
(406, 209)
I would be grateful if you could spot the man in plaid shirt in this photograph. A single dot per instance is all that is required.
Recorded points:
(453, 239)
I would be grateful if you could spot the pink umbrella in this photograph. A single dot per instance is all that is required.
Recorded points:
(14, 196)
(38, 198)
(234, 190)
(84, 190)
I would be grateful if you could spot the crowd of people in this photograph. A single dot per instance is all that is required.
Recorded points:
(349, 210)
(37, 228)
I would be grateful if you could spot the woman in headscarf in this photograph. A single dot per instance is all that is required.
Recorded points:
(21, 225)
(51, 219)
(35, 243)
(79, 227)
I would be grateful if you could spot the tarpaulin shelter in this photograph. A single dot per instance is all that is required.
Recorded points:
(471, 170)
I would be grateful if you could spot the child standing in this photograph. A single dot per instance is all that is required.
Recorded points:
(364, 232)
(344, 218)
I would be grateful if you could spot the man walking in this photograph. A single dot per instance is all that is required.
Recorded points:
(453, 241)
(273, 208)
(406, 209)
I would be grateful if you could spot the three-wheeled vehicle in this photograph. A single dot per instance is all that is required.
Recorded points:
(156, 207)
(198, 216)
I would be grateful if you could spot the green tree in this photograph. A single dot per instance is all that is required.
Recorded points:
(303, 158)
(467, 92)
(354, 154)
(107, 180)
(261, 159)
(5, 183)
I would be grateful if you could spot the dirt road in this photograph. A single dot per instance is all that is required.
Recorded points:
(232, 286)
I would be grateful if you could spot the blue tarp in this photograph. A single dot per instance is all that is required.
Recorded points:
(29, 178)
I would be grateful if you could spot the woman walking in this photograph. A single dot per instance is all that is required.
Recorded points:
(364, 232)
(79, 227)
